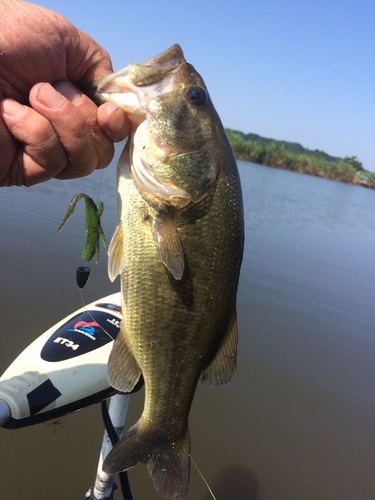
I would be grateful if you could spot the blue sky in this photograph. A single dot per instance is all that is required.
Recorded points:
(293, 70)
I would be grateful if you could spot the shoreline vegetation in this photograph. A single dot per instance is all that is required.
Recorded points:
(293, 156)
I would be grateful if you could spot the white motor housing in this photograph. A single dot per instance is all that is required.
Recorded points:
(63, 370)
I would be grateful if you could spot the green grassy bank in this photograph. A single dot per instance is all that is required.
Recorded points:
(291, 156)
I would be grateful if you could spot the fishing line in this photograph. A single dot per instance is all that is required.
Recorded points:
(83, 273)
(82, 276)
(201, 475)
(91, 316)
(87, 270)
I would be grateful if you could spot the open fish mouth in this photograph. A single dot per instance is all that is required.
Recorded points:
(134, 85)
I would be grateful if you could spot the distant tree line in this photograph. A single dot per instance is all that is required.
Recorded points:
(293, 156)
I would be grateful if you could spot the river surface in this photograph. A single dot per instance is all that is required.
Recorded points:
(298, 421)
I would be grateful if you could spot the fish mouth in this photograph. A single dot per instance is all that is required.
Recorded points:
(134, 85)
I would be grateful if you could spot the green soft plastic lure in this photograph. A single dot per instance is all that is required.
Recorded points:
(92, 222)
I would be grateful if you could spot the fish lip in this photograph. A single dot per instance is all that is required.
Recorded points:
(173, 56)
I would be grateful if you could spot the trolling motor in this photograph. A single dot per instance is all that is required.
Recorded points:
(65, 369)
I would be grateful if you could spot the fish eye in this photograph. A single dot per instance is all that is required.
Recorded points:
(197, 96)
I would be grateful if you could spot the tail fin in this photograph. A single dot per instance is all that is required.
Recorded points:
(168, 462)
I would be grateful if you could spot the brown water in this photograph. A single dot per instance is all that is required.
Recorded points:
(297, 423)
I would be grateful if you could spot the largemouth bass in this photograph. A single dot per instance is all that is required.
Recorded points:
(178, 248)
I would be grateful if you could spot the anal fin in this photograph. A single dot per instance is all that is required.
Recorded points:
(222, 368)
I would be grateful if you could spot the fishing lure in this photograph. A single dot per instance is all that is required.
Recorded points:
(92, 222)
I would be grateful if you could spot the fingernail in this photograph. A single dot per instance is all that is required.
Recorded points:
(116, 121)
(69, 91)
(49, 97)
(12, 108)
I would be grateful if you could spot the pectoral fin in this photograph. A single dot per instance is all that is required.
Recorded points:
(123, 370)
(168, 244)
(222, 368)
(116, 261)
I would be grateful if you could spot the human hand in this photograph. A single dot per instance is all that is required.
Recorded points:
(63, 134)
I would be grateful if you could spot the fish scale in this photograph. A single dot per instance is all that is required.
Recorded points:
(143, 302)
